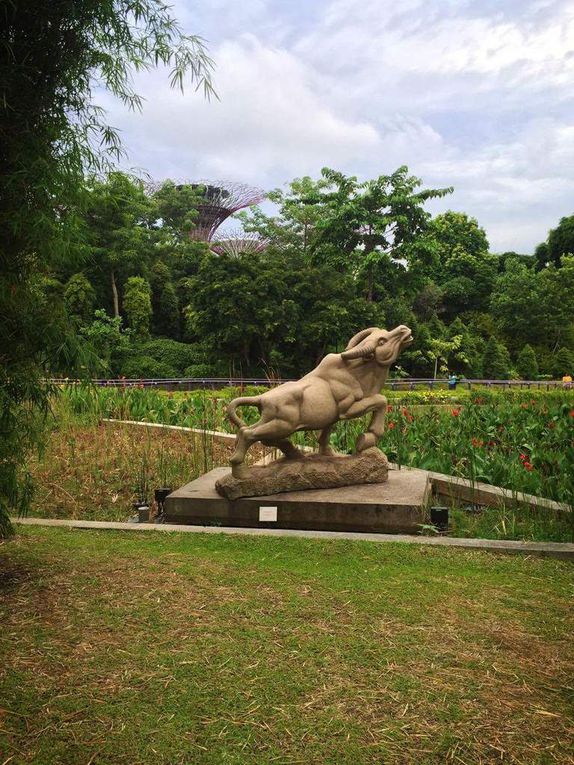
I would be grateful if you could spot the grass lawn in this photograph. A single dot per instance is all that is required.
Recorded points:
(125, 648)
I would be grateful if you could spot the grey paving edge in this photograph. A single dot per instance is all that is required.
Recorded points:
(562, 550)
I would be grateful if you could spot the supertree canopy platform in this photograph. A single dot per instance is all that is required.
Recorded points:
(237, 243)
(221, 199)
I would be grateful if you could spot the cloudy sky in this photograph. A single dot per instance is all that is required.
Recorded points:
(475, 94)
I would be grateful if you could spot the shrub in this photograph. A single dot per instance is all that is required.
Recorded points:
(200, 370)
(137, 305)
(526, 363)
(145, 367)
(177, 355)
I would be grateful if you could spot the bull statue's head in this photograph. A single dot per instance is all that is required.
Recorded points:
(380, 344)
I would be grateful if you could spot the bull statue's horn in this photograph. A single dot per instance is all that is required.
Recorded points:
(365, 348)
(356, 339)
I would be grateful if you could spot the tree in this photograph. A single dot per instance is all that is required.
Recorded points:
(294, 228)
(260, 314)
(462, 266)
(452, 230)
(541, 256)
(50, 131)
(510, 257)
(563, 363)
(526, 363)
(106, 337)
(516, 308)
(176, 206)
(165, 303)
(560, 242)
(79, 297)
(441, 350)
(496, 361)
(366, 225)
(555, 293)
(137, 305)
(118, 220)
(428, 301)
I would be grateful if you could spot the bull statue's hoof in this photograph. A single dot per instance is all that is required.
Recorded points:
(365, 441)
(240, 471)
(314, 471)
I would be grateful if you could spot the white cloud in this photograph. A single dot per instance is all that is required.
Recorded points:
(471, 94)
(520, 188)
(268, 124)
(425, 55)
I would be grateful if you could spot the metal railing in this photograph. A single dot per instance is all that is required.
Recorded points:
(214, 383)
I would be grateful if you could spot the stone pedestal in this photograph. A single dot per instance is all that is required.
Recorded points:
(396, 506)
(312, 471)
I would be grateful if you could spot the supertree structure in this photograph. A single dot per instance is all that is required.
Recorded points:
(236, 243)
(218, 200)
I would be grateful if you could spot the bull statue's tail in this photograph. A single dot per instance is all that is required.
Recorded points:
(241, 401)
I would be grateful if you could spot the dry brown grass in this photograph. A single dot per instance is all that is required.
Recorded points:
(96, 472)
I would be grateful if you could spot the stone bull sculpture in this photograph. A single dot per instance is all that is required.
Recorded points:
(342, 387)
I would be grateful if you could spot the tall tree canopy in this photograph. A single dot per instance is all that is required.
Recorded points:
(367, 225)
(51, 133)
(560, 242)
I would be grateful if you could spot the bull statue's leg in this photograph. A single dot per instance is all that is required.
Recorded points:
(376, 404)
(376, 427)
(324, 447)
(242, 443)
(290, 451)
(273, 432)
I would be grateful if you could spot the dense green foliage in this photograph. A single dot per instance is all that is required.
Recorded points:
(339, 255)
(51, 135)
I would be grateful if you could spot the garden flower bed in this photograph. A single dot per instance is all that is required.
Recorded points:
(95, 472)
(519, 440)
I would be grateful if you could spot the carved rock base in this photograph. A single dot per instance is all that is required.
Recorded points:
(310, 472)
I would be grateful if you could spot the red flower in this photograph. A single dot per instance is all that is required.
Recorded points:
(523, 458)
(455, 412)
(477, 443)
(572, 413)
(528, 466)
(405, 412)
(391, 426)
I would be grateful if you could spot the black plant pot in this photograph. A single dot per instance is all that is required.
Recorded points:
(160, 495)
(439, 517)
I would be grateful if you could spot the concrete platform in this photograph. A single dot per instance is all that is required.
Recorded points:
(396, 506)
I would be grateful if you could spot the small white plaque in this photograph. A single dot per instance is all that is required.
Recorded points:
(267, 513)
